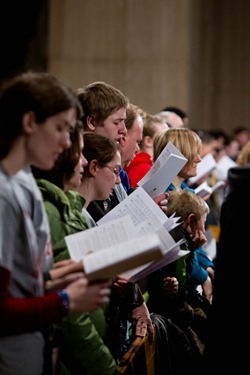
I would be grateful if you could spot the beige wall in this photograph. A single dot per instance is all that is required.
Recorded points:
(189, 53)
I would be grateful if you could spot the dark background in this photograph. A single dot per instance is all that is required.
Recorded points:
(23, 36)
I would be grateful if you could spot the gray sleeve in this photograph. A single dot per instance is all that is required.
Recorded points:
(9, 227)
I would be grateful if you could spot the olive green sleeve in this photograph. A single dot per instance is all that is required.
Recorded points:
(82, 350)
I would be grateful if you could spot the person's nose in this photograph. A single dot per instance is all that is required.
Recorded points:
(66, 142)
(84, 161)
(198, 158)
(123, 129)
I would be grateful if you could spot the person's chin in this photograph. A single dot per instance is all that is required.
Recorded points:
(45, 166)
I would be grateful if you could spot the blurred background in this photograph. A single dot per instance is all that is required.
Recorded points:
(194, 54)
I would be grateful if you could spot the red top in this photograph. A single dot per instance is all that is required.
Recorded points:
(20, 315)
(138, 167)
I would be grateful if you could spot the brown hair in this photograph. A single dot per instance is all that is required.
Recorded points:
(100, 100)
(131, 114)
(100, 148)
(37, 92)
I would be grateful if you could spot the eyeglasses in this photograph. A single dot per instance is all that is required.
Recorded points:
(115, 170)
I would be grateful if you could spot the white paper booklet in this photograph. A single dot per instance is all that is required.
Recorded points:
(164, 170)
(222, 167)
(147, 217)
(139, 273)
(207, 164)
(204, 189)
(142, 208)
(112, 248)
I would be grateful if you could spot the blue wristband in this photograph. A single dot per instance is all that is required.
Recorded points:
(65, 299)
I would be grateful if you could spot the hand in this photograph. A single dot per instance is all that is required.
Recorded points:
(62, 282)
(206, 197)
(140, 315)
(171, 286)
(162, 201)
(120, 284)
(86, 297)
(62, 263)
(198, 238)
(65, 267)
(210, 271)
(207, 288)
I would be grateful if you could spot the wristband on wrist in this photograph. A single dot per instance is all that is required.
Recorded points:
(65, 299)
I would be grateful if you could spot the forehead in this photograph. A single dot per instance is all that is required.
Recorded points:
(203, 218)
(159, 126)
(137, 126)
(118, 115)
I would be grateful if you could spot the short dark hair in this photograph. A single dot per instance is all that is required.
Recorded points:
(180, 112)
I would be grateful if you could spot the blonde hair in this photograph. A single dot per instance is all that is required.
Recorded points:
(184, 202)
(186, 140)
(243, 157)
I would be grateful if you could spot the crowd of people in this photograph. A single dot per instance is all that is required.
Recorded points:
(66, 159)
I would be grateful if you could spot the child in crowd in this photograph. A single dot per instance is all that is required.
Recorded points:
(171, 290)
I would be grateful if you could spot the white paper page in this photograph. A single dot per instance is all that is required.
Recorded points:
(163, 177)
(98, 238)
(139, 206)
(207, 164)
(160, 161)
(139, 273)
(204, 189)
(210, 246)
(121, 252)
(223, 165)
(169, 246)
(172, 223)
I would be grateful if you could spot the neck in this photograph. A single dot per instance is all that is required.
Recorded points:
(86, 190)
(177, 181)
(148, 150)
(16, 159)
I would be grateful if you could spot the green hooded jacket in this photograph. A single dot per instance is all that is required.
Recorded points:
(82, 349)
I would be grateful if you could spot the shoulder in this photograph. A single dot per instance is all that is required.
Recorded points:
(120, 192)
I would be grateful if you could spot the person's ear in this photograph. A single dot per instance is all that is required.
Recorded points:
(191, 219)
(93, 167)
(29, 122)
(91, 123)
(148, 141)
(190, 223)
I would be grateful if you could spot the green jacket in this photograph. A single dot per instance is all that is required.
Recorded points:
(82, 349)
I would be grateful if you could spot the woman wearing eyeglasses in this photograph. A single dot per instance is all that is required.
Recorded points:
(102, 173)
(80, 336)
